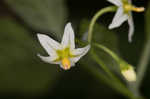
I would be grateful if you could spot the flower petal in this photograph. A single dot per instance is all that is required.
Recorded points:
(48, 59)
(68, 37)
(118, 19)
(80, 52)
(49, 44)
(131, 28)
(115, 2)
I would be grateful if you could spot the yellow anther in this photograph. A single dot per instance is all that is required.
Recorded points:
(138, 9)
(66, 64)
(129, 7)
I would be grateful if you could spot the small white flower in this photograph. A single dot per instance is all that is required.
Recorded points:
(65, 53)
(129, 73)
(124, 14)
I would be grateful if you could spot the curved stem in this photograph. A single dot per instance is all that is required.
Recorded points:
(117, 84)
(96, 16)
(120, 86)
(103, 78)
(108, 51)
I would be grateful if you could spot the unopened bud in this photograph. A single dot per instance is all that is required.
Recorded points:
(129, 73)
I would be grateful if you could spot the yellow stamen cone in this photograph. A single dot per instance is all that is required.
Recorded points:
(66, 64)
(128, 7)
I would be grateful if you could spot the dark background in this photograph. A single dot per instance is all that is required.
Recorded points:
(24, 76)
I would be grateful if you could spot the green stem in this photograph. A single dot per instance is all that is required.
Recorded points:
(143, 63)
(116, 84)
(121, 87)
(107, 51)
(133, 87)
(103, 78)
(145, 57)
(96, 16)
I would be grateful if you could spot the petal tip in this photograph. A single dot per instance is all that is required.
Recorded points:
(42, 36)
(130, 40)
(68, 24)
(89, 46)
(39, 35)
(38, 55)
(110, 26)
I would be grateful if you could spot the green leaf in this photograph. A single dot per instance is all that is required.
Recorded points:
(41, 15)
(21, 70)
(105, 37)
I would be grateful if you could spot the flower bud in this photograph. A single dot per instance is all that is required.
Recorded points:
(128, 73)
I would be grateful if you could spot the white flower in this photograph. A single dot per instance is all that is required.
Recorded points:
(124, 14)
(129, 73)
(65, 53)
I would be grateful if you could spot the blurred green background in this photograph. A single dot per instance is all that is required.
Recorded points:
(24, 76)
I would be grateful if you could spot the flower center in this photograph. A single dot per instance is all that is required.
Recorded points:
(63, 57)
(64, 53)
(129, 7)
(66, 63)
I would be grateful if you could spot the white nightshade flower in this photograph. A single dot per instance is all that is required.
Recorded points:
(124, 14)
(63, 53)
(129, 73)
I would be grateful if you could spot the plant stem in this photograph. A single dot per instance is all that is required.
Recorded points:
(141, 70)
(143, 63)
(103, 78)
(96, 16)
(116, 84)
(132, 86)
(120, 86)
(100, 76)
(112, 54)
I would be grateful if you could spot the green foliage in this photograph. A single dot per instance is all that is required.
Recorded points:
(20, 69)
(41, 15)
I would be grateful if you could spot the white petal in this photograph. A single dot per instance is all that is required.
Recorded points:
(72, 64)
(118, 19)
(68, 37)
(80, 52)
(48, 59)
(49, 44)
(115, 2)
(131, 28)
(61, 66)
